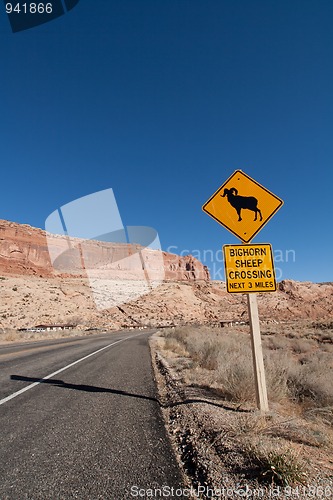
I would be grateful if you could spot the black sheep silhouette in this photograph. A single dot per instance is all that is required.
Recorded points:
(239, 202)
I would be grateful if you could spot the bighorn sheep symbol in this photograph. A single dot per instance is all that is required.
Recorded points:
(239, 202)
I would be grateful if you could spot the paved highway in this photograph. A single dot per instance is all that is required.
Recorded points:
(86, 428)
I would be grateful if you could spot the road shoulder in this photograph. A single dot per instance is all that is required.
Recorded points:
(211, 438)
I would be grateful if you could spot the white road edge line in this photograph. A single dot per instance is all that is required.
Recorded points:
(15, 394)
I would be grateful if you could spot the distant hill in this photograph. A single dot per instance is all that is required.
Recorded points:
(32, 292)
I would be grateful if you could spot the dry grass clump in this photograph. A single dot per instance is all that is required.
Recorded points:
(276, 342)
(229, 359)
(9, 335)
(199, 343)
(173, 345)
(301, 346)
(234, 375)
(296, 369)
(254, 427)
(324, 336)
(274, 445)
(265, 442)
(295, 344)
(287, 446)
(279, 466)
(311, 379)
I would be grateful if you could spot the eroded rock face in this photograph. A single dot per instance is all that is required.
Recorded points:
(24, 250)
(184, 268)
(33, 291)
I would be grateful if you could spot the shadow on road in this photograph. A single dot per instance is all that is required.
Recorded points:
(92, 388)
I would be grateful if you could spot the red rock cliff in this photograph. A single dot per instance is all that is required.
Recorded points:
(24, 250)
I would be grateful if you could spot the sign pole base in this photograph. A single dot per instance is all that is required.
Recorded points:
(258, 360)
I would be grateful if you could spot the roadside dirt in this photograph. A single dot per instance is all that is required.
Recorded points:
(215, 441)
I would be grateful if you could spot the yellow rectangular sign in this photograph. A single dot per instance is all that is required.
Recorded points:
(249, 268)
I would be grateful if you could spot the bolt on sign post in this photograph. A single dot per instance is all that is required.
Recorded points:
(243, 206)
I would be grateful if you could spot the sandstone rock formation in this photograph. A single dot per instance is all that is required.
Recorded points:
(32, 291)
(25, 250)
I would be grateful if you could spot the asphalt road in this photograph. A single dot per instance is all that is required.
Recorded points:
(92, 431)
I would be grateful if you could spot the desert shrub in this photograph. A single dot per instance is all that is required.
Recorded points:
(321, 414)
(204, 350)
(325, 335)
(235, 377)
(228, 356)
(9, 335)
(277, 465)
(276, 342)
(311, 381)
(178, 334)
(234, 373)
(301, 346)
(173, 345)
(277, 366)
(209, 354)
(201, 344)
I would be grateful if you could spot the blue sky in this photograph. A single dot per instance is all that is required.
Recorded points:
(162, 101)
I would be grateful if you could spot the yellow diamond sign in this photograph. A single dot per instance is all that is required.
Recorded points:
(249, 268)
(242, 205)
